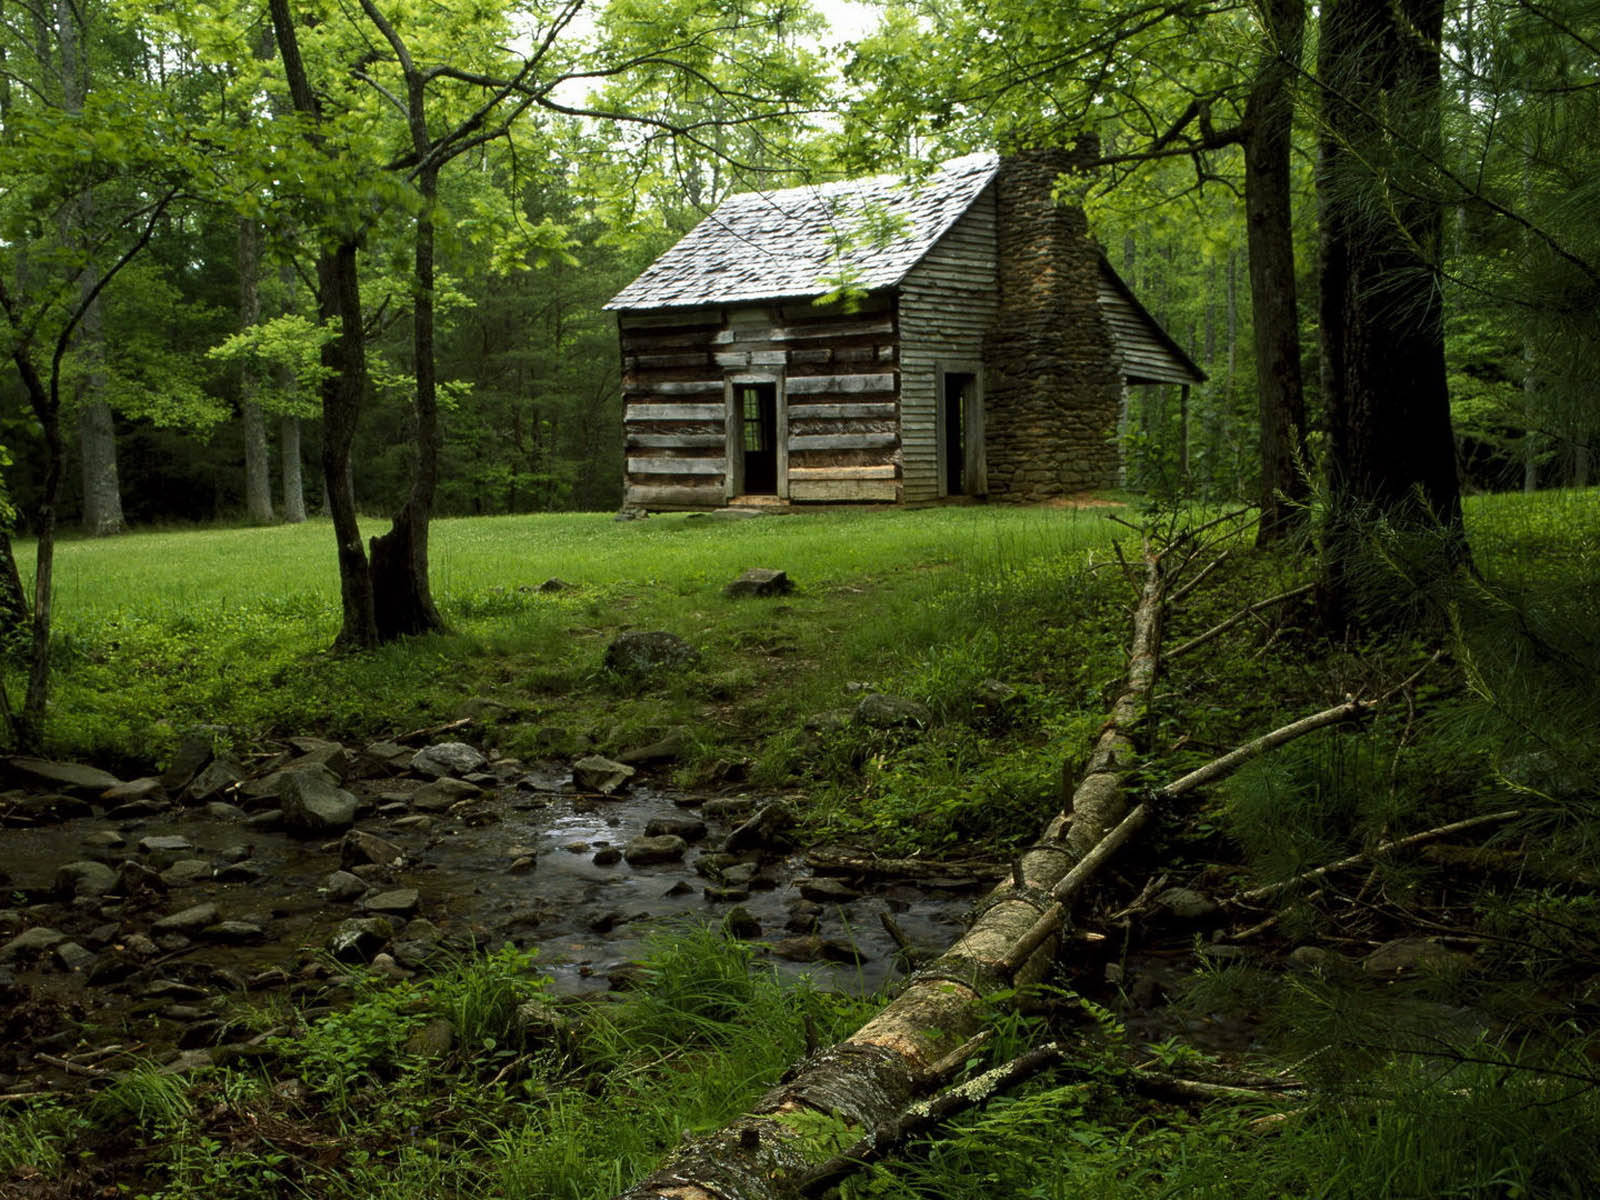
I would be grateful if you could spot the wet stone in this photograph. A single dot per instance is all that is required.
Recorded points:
(360, 938)
(442, 794)
(678, 889)
(105, 839)
(521, 866)
(218, 776)
(135, 810)
(221, 810)
(608, 856)
(135, 876)
(157, 847)
(762, 831)
(397, 902)
(135, 789)
(341, 885)
(72, 957)
(416, 821)
(577, 847)
(313, 803)
(236, 853)
(728, 808)
(171, 943)
(358, 846)
(242, 872)
(33, 941)
(187, 920)
(447, 758)
(741, 923)
(68, 777)
(267, 818)
(723, 894)
(688, 828)
(84, 879)
(594, 773)
(186, 871)
(647, 851)
(827, 890)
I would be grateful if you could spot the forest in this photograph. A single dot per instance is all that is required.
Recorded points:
(386, 813)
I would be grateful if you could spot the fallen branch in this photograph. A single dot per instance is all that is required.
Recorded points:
(1205, 572)
(1385, 848)
(1244, 614)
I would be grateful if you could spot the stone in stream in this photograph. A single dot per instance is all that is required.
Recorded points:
(522, 865)
(342, 885)
(728, 808)
(314, 803)
(359, 846)
(186, 871)
(397, 902)
(763, 831)
(669, 747)
(726, 894)
(690, 829)
(760, 581)
(234, 933)
(134, 876)
(84, 879)
(827, 890)
(221, 810)
(148, 788)
(71, 956)
(360, 938)
(194, 752)
(338, 761)
(594, 773)
(31, 942)
(219, 775)
(647, 851)
(86, 782)
(164, 845)
(145, 806)
(442, 794)
(741, 923)
(240, 872)
(188, 920)
(607, 856)
(447, 758)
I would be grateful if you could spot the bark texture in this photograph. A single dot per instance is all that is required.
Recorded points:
(257, 471)
(1391, 453)
(294, 488)
(1269, 117)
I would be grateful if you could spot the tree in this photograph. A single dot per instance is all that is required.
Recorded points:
(1391, 454)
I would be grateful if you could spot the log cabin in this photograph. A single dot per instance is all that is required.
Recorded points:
(983, 345)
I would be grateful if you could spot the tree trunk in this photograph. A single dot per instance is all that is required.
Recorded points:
(344, 358)
(402, 597)
(97, 447)
(1391, 451)
(294, 488)
(1274, 304)
(13, 600)
(257, 472)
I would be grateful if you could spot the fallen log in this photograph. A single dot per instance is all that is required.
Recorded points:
(876, 1072)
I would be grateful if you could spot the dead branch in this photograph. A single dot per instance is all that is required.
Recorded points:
(1243, 614)
(1178, 594)
(1355, 860)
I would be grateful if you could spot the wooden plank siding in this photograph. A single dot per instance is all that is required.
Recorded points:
(1146, 356)
(947, 303)
(840, 384)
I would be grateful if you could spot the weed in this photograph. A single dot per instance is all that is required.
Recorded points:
(143, 1095)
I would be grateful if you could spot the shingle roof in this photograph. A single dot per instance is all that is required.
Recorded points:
(800, 241)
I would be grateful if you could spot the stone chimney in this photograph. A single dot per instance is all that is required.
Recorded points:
(1052, 382)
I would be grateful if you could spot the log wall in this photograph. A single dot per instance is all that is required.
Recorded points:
(839, 419)
(947, 304)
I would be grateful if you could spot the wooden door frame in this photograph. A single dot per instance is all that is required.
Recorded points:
(735, 428)
(975, 471)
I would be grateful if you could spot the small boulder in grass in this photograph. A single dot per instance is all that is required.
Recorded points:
(595, 773)
(447, 758)
(760, 581)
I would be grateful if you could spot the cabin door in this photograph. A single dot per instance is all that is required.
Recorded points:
(961, 457)
(758, 411)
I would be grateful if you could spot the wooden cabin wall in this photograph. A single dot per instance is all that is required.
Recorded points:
(840, 386)
(947, 303)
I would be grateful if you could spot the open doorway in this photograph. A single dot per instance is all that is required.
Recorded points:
(961, 434)
(758, 410)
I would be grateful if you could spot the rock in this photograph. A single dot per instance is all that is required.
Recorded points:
(690, 829)
(639, 653)
(433, 1040)
(728, 808)
(552, 585)
(71, 956)
(646, 851)
(164, 846)
(87, 782)
(314, 804)
(680, 888)
(670, 747)
(234, 933)
(31, 942)
(762, 831)
(1318, 959)
(760, 581)
(360, 938)
(138, 945)
(267, 818)
(188, 920)
(194, 752)
(806, 948)
(134, 876)
(339, 761)
(134, 810)
(84, 879)
(522, 865)
(593, 773)
(113, 966)
(237, 853)
(341, 885)
(1406, 956)
(608, 856)
(148, 788)
(1185, 904)
(240, 872)
(416, 821)
(726, 894)
(387, 757)
(994, 701)
(219, 775)
(397, 902)
(358, 846)
(220, 810)
(827, 890)
(186, 871)
(447, 758)
(741, 923)
(879, 710)
(442, 794)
